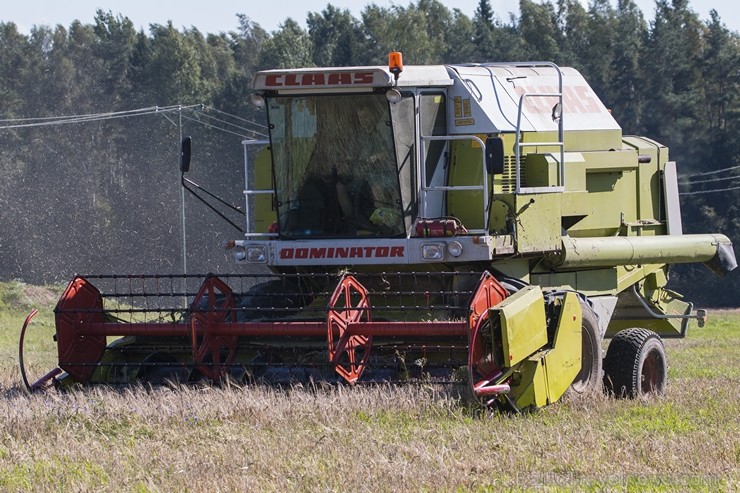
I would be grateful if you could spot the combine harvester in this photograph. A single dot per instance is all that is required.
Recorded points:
(482, 223)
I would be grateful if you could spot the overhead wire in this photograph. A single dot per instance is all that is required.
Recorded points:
(711, 172)
(689, 181)
(13, 123)
(710, 191)
(62, 117)
(711, 180)
(236, 117)
(227, 123)
(199, 109)
(92, 117)
(220, 120)
(209, 125)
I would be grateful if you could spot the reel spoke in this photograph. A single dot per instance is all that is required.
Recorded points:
(348, 305)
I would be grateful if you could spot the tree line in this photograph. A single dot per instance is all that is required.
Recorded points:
(96, 187)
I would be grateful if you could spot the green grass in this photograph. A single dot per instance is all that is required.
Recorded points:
(16, 302)
(416, 438)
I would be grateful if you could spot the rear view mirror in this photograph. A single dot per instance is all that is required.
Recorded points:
(494, 155)
(185, 153)
(557, 112)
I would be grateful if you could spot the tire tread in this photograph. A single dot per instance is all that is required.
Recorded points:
(622, 361)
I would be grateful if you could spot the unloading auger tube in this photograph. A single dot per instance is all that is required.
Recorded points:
(714, 250)
(503, 338)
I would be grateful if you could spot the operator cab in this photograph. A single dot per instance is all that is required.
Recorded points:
(335, 167)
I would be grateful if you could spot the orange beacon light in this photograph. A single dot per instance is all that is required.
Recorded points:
(395, 63)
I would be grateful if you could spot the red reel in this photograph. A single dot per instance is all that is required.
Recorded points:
(348, 353)
(213, 305)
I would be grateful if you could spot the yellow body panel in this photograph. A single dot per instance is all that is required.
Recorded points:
(523, 324)
(544, 377)
(563, 362)
(264, 212)
(530, 389)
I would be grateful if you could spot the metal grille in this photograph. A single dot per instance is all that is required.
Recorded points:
(508, 180)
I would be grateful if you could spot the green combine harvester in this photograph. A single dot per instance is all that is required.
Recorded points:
(481, 223)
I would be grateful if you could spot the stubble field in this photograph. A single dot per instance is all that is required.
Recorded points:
(382, 438)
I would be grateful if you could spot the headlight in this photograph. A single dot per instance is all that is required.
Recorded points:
(238, 253)
(256, 254)
(433, 251)
(454, 248)
(258, 100)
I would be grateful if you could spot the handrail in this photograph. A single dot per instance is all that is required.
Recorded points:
(519, 144)
(484, 187)
(561, 136)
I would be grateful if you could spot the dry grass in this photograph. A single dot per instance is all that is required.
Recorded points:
(385, 438)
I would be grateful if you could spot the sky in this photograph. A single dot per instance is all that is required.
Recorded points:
(220, 15)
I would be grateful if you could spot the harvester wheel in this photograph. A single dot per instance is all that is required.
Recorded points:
(588, 379)
(635, 364)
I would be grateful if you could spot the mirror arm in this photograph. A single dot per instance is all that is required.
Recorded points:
(185, 184)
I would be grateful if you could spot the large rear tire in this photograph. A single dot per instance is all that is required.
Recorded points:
(588, 379)
(635, 364)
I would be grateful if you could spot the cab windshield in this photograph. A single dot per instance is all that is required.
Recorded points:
(335, 166)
